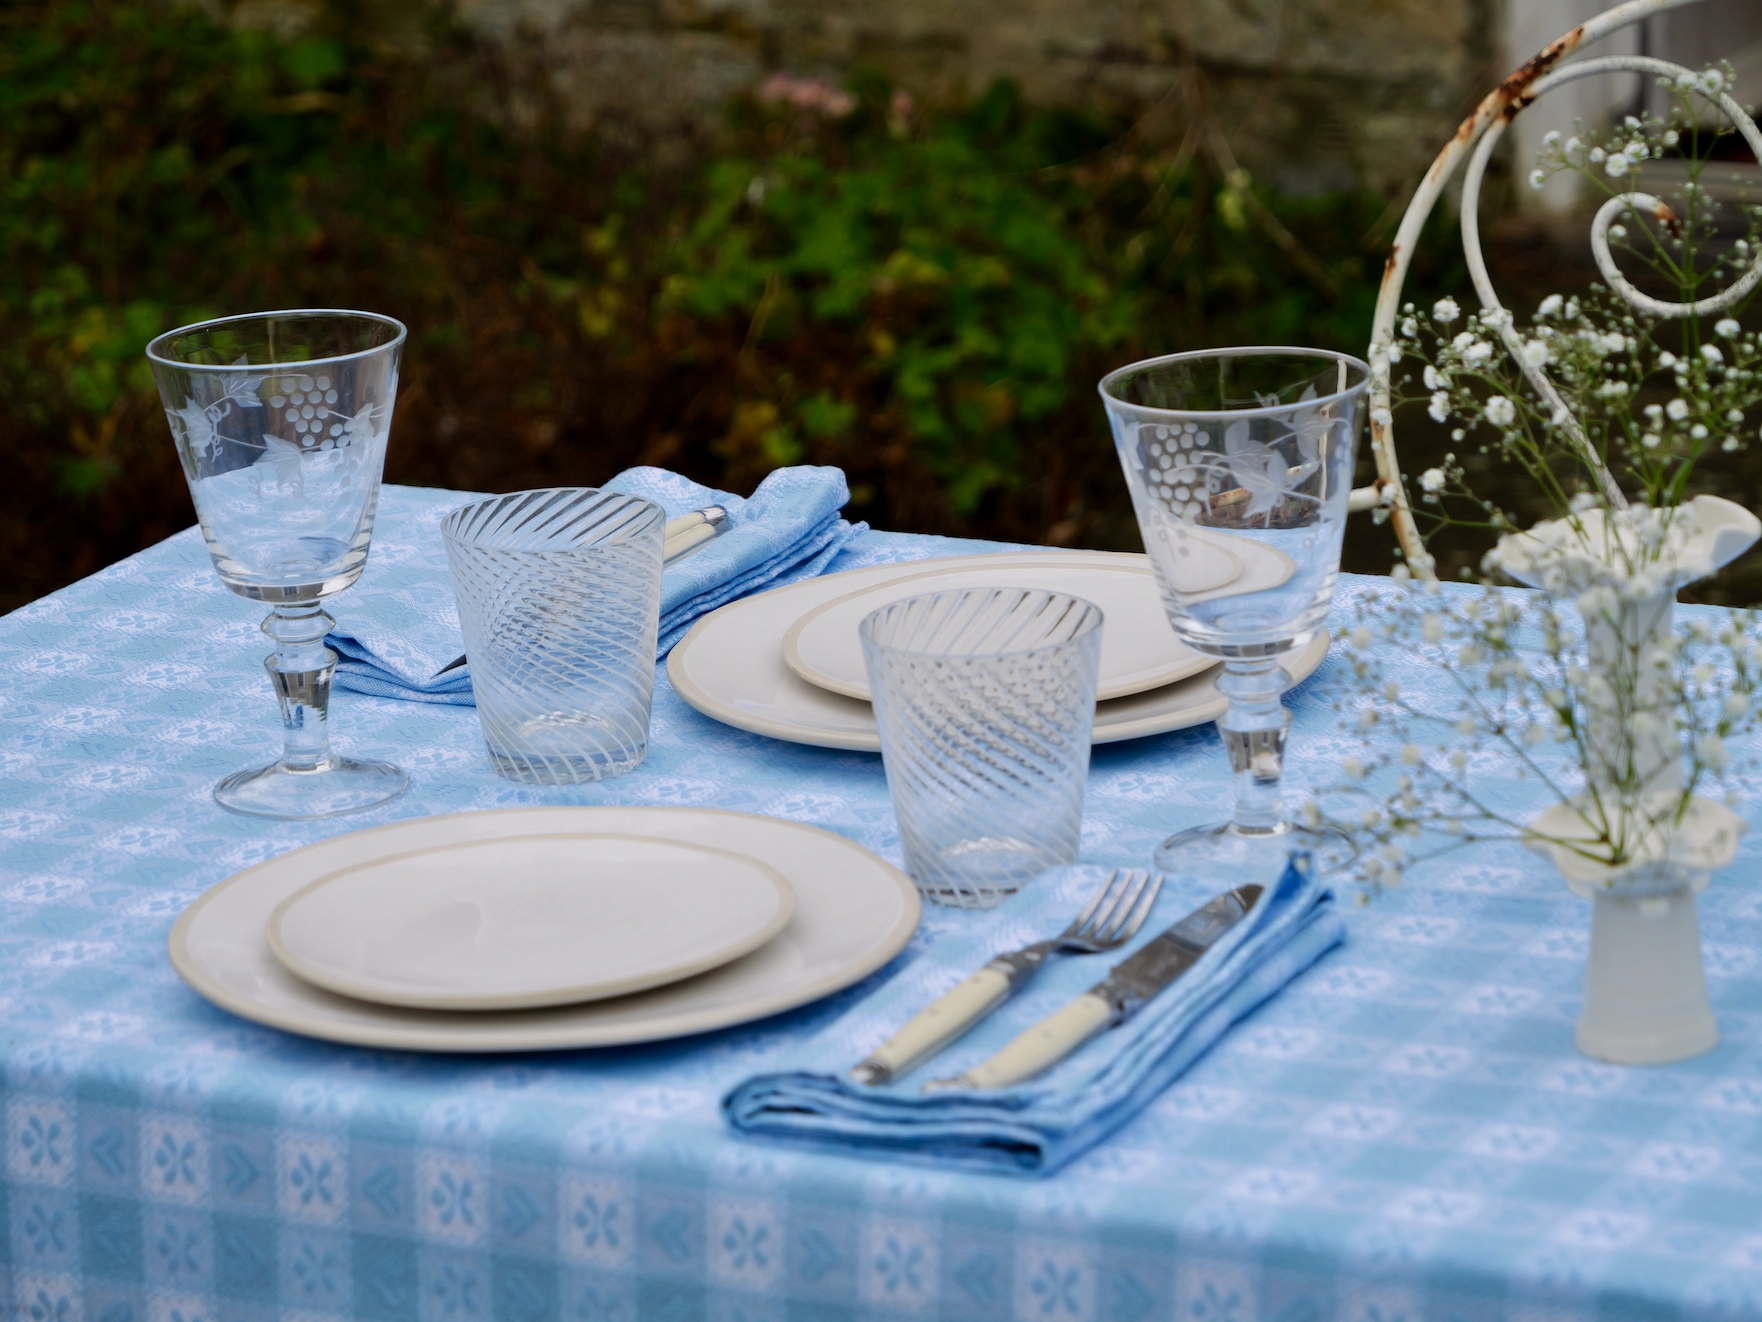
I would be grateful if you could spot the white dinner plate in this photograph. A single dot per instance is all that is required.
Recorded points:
(853, 913)
(516, 923)
(730, 667)
(1139, 650)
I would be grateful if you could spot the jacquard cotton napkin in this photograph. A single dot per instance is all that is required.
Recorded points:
(1039, 1125)
(397, 629)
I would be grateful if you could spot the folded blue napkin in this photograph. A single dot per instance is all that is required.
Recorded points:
(1037, 1126)
(787, 530)
(400, 625)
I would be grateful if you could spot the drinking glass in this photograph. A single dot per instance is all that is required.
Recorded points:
(281, 419)
(1240, 462)
(986, 700)
(560, 601)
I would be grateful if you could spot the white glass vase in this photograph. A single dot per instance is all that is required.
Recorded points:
(1645, 987)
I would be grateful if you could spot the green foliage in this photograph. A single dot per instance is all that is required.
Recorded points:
(924, 297)
(961, 295)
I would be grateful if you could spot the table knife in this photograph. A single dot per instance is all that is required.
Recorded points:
(682, 536)
(1113, 1000)
(690, 531)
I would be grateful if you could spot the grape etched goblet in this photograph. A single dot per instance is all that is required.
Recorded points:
(281, 421)
(1240, 463)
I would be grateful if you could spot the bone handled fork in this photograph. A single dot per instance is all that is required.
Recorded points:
(1111, 918)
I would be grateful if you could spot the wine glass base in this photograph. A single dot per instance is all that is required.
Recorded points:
(1228, 855)
(281, 792)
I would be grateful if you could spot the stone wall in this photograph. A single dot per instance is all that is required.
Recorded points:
(1311, 94)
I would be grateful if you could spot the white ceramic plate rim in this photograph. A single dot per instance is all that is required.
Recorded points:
(453, 1033)
(1114, 720)
(1136, 681)
(404, 994)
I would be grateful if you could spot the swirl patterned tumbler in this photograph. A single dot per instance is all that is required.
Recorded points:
(986, 700)
(559, 601)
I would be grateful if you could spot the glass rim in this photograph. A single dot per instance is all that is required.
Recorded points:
(403, 333)
(459, 514)
(1092, 623)
(1246, 351)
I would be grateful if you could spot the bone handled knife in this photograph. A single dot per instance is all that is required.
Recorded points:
(1113, 1000)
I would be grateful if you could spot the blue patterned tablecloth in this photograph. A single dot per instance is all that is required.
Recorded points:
(1406, 1133)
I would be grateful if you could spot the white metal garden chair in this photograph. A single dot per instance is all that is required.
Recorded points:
(1477, 139)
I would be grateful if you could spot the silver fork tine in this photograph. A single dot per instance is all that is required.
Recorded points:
(1144, 907)
(1135, 883)
(1100, 894)
(1113, 893)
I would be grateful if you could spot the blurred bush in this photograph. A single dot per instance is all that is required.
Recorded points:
(923, 296)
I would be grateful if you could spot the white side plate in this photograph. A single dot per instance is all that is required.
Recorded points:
(730, 667)
(529, 921)
(853, 913)
(1139, 651)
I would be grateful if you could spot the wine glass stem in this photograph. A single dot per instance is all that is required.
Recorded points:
(1254, 729)
(300, 668)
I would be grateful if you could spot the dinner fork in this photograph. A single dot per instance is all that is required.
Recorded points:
(1111, 918)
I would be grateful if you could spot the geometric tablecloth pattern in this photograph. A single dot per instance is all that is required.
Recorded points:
(1405, 1133)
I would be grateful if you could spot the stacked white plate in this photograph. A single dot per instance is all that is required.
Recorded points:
(788, 663)
(544, 928)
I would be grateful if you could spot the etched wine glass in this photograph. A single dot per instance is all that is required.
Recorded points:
(281, 420)
(1240, 463)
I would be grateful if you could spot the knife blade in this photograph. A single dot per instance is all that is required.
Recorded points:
(1113, 1000)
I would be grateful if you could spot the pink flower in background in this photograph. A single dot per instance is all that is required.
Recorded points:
(815, 95)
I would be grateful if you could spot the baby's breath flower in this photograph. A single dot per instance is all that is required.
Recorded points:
(1501, 412)
(1678, 409)
(1617, 165)
(1352, 768)
(1551, 138)
(1596, 157)
(1727, 326)
(1360, 637)
(1711, 353)
(1699, 431)
(1651, 440)
(1431, 628)
(1551, 304)
(1537, 178)
(1439, 408)
(1432, 479)
(1535, 353)
(1711, 749)
(1411, 755)
(1434, 379)
(1734, 416)
(1446, 310)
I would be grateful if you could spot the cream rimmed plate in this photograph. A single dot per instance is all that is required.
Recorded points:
(853, 913)
(1139, 651)
(516, 923)
(730, 667)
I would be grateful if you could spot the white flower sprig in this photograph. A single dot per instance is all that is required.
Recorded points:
(1575, 688)
(1520, 695)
